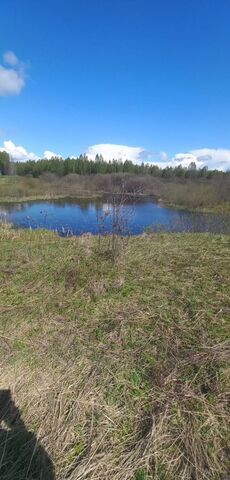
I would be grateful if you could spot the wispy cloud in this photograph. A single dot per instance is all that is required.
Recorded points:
(10, 58)
(12, 76)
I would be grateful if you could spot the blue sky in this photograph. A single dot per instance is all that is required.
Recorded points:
(154, 75)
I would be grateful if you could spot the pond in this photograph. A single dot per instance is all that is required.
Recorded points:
(132, 216)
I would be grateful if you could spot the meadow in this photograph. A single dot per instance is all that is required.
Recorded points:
(119, 365)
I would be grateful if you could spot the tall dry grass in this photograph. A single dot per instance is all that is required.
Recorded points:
(194, 194)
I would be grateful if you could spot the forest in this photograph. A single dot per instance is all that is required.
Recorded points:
(83, 166)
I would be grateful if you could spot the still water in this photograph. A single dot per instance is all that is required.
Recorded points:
(78, 216)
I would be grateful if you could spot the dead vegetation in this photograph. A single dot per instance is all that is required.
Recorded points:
(196, 194)
(121, 370)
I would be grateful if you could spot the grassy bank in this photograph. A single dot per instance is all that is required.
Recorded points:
(22, 189)
(204, 195)
(120, 369)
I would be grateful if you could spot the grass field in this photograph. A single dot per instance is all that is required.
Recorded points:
(120, 369)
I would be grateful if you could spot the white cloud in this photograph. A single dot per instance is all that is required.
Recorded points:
(17, 152)
(218, 158)
(204, 157)
(48, 155)
(12, 80)
(20, 154)
(111, 151)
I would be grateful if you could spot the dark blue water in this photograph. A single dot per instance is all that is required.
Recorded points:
(75, 217)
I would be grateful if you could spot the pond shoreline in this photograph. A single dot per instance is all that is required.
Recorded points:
(218, 209)
(96, 215)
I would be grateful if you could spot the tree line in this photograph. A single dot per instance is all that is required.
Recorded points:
(83, 166)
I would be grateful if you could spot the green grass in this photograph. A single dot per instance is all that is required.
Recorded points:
(120, 369)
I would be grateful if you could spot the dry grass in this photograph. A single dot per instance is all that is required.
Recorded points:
(213, 195)
(120, 370)
(198, 194)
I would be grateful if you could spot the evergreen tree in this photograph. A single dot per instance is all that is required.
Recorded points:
(4, 163)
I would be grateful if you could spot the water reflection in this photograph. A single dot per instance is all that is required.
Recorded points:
(76, 216)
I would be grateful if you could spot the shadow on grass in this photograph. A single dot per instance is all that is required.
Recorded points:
(21, 455)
